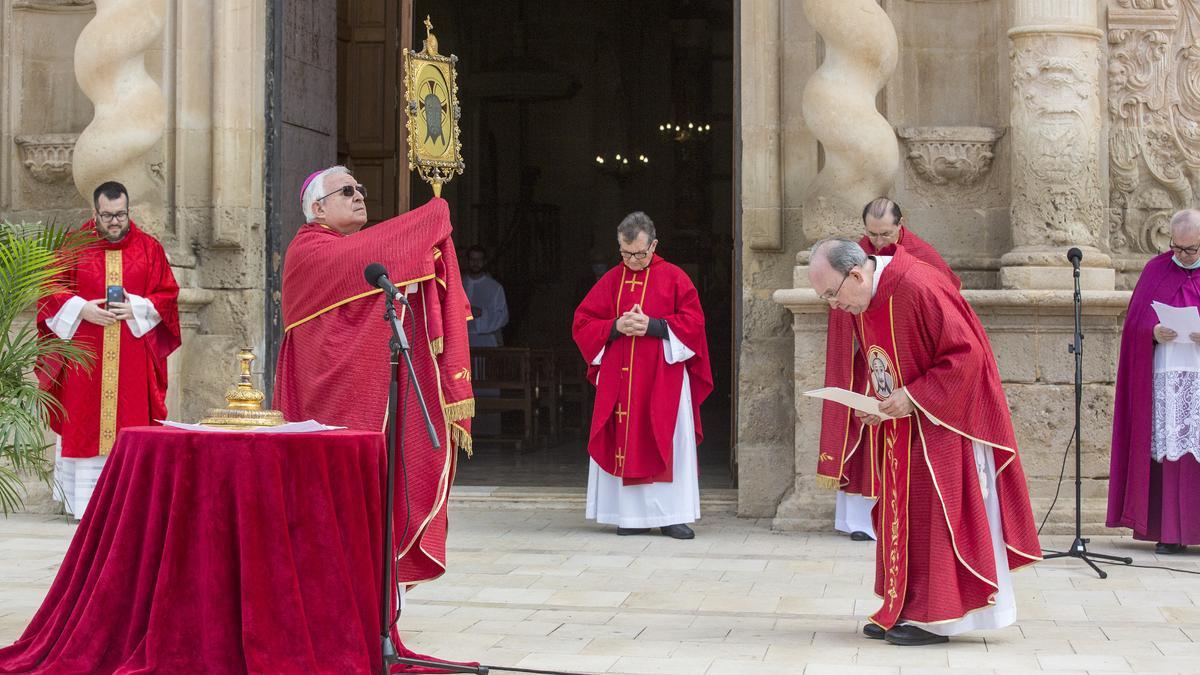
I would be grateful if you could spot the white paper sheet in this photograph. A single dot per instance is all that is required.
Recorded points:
(850, 399)
(289, 428)
(1183, 320)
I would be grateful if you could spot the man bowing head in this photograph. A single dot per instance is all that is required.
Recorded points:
(641, 331)
(953, 513)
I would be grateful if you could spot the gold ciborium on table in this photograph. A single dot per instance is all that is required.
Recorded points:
(244, 408)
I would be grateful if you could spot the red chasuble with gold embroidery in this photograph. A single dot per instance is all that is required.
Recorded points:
(845, 462)
(637, 391)
(127, 385)
(934, 557)
(334, 360)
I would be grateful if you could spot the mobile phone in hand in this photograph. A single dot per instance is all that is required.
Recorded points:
(114, 294)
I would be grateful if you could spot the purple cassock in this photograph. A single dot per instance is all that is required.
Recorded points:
(1154, 484)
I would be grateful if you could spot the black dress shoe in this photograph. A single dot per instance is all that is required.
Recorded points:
(873, 631)
(1169, 549)
(905, 635)
(679, 531)
(626, 531)
(859, 535)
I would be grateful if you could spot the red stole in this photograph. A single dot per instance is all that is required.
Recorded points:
(919, 333)
(844, 463)
(127, 385)
(334, 360)
(637, 391)
(894, 439)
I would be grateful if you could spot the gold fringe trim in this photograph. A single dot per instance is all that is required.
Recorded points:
(827, 483)
(462, 439)
(437, 345)
(460, 410)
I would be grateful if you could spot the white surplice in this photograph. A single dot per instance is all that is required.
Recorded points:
(611, 502)
(75, 477)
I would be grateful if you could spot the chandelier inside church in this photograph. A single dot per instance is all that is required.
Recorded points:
(620, 164)
(684, 132)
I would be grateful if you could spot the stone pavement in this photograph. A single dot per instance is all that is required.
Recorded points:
(543, 588)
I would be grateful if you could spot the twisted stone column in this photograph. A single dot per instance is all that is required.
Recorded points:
(131, 112)
(1057, 198)
(861, 151)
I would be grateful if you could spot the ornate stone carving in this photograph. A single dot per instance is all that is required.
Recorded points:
(954, 156)
(1056, 198)
(1154, 119)
(861, 153)
(131, 112)
(47, 156)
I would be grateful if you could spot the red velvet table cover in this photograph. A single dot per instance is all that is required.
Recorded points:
(220, 553)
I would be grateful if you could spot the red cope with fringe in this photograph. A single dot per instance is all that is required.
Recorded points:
(334, 360)
(135, 369)
(934, 557)
(637, 391)
(845, 462)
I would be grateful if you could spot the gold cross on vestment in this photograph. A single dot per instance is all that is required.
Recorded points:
(633, 284)
(621, 414)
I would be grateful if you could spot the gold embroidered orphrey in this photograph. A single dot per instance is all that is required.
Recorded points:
(880, 372)
(110, 361)
(431, 96)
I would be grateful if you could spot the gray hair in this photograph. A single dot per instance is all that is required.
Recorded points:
(842, 254)
(880, 207)
(316, 190)
(1187, 219)
(634, 224)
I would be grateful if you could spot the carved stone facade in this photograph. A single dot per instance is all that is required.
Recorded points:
(174, 109)
(861, 154)
(998, 106)
(1154, 123)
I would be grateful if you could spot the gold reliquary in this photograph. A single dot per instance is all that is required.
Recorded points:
(243, 409)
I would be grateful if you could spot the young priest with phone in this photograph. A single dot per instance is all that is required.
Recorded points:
(118, 301)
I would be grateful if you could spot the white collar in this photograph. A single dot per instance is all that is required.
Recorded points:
(881, 261)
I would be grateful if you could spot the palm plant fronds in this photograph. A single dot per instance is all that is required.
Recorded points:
(33, 261)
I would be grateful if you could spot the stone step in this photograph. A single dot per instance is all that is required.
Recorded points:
(501, 497)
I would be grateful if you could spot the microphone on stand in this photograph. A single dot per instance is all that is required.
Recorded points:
(1074, 255)
(376, 275)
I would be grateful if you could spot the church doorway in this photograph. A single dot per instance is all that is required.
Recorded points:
(551, 94)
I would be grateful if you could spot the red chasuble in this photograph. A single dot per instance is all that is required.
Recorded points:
(845, 462)
(127, 385)
(637, 391)
(334, 360)
(934, 557)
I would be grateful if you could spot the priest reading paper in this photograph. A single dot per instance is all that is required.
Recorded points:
(954, 510)
(641, 331)
(1154, 487)
(334, 360)
(120, 302)
(846, 461)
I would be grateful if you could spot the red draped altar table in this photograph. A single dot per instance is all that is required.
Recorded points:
(220, 553)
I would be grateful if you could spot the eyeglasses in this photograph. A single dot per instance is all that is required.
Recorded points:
(1186, 250)
(828, 296)
(635, 255)
(347, 191)
(119, 216)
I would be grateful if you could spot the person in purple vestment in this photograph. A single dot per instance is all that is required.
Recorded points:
(1154, 485)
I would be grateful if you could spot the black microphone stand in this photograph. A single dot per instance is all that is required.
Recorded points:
(399, 346)
(1079, 546)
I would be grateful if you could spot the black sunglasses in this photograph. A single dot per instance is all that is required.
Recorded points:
(347, 191)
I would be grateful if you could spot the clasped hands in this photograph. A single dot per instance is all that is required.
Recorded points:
(1164, 334)
(896, 405)
(92, 312)
(634, 322)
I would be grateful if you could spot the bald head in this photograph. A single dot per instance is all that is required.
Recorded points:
(1185, 236)
(1186, 221)
(882, 221)
(841, 273)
